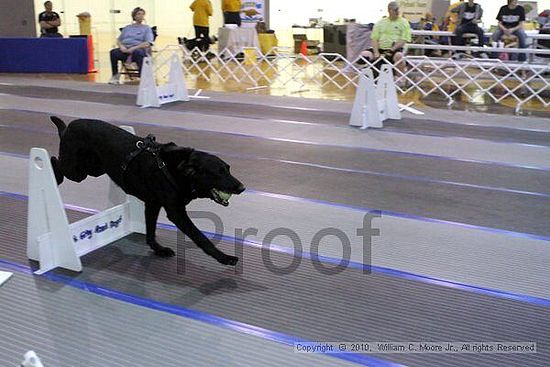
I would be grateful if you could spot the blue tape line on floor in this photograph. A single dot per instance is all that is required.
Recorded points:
(366, 172)
(354, 265)
(194, 315)
(400, 215)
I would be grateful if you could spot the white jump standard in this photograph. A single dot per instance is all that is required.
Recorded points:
(54, 242)
(149, 95)
(375, 103)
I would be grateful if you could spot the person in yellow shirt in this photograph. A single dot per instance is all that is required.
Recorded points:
(452, 17)
(231, 12)
(202, 10)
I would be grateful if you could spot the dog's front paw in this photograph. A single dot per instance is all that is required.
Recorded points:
(228, 260)
(164, 251)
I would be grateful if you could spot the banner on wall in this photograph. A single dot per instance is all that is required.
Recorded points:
(413, 10)
(531, 9)
(253, 11)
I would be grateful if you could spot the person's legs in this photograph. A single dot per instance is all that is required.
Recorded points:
(476, 29)
(202, 32)
(232, 18)
(138, 56)
(459, 41)
(497, 35)
(522, 40)
(116, 55)
(235, 18)
(206, 33)
(398, 61)
(472, 28)
(367, 54)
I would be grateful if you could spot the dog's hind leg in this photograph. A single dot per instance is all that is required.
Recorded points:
(151, 215)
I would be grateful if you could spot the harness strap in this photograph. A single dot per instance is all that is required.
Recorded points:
(148, 145)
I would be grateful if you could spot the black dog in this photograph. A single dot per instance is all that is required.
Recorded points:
(201, 43)
(161, 175)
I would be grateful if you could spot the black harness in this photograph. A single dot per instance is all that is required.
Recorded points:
(151, 146)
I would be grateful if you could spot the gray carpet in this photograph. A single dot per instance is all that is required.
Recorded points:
(67, 327)
(471, 205)
(255, 111)
(351, 305)
(348, 306)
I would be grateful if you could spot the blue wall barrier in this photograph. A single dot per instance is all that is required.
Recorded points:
(43, 55)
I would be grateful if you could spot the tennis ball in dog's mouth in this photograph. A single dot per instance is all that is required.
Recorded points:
(224, 195)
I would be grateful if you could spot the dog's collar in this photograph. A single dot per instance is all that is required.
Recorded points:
(150, 145)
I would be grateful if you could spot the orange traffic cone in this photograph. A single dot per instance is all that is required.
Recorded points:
(303, 48)
(91, 66)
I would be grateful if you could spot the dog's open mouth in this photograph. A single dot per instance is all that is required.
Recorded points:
(221, 197)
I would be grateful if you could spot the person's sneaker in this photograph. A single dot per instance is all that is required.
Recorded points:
(115, 79)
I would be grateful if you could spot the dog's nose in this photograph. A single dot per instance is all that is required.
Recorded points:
(241, 188)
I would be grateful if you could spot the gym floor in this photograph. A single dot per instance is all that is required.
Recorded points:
(460, 201)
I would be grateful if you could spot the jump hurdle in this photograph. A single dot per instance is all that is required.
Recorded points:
(54, 242)
(4, 276)
(31, 360)
(375, 103)
(151, 95)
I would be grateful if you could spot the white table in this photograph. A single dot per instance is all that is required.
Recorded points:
(235, 39)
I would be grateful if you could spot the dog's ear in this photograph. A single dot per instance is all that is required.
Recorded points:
(173, 154)
(168, 147)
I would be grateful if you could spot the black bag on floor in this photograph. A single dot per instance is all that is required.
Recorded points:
(202, 43)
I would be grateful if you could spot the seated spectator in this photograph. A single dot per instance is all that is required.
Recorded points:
(389, 36)
(451, 17)
(49, 21)
(510, 23)
(510, 41)
(428, 23)
(134, 42)
(469, 16)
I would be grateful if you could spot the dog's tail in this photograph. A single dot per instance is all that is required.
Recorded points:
(61, 127)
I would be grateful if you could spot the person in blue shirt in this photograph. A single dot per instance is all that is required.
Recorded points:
(134, 42)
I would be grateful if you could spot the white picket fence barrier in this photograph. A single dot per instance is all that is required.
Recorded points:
(513, 83)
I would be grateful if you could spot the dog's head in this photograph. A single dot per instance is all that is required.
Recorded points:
(207, 175)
